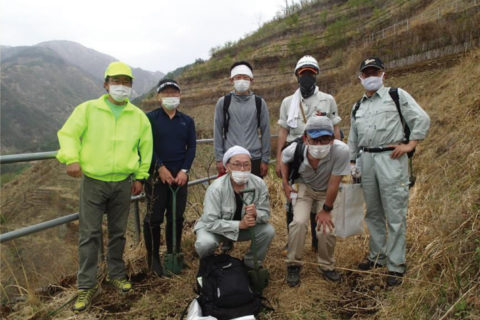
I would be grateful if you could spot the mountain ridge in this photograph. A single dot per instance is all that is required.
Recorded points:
(41, 85)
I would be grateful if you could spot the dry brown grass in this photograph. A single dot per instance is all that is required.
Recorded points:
(443, 249)
(443, 233)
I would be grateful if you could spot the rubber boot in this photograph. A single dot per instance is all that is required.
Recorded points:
(313, 227)
(152, 243)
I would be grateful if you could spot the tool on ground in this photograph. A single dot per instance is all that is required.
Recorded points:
(173, 262)
(258, 276)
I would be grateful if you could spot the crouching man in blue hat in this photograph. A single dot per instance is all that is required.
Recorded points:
(321, 161)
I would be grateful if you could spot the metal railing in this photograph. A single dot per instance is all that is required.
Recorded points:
(4, 237)
(25, 157)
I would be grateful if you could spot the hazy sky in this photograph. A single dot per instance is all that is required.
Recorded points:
(154, 35)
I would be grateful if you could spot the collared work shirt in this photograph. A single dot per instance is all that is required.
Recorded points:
(336, 163)
(377, 122)
(319, 102)
(219, 206)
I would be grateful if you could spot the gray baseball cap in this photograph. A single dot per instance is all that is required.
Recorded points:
(318, 126)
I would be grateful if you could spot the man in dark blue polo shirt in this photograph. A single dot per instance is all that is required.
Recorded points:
(174, 144)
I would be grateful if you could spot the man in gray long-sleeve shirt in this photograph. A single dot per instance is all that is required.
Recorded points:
(238, 116)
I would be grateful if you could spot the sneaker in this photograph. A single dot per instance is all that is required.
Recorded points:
(84, 299)
(293, 276)
(367, 265)
(331, 275)
(121, 284)
(394, 278)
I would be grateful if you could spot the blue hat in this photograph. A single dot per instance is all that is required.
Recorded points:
(318, 133)
(318, 126)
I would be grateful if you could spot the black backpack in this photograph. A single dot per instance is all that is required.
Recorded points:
(224, 289)
(226, 116)
(393, 92)
(294, 166)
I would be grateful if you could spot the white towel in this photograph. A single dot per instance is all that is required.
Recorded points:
(295, 108)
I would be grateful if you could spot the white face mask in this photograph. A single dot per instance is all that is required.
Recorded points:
(372, 83)
(240, 177)
(170, 102)
(319, 151)
(241, 85)
(119, 92)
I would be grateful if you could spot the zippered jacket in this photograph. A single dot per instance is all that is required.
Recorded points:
(219, 206)
(107, 149)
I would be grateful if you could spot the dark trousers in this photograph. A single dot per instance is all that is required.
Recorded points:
(256, 167)
(159, 203)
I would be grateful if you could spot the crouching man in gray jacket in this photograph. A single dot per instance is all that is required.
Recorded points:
(225, 218)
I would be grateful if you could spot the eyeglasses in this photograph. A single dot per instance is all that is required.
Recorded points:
(239, 165)
(320, 140)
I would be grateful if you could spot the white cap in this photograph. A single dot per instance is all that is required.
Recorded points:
(233, 151)
(307, 62)
(241, 69)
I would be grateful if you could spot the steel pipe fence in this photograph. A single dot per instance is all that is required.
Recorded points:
(4, 237)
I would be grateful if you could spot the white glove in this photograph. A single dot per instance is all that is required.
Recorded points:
(355, 171)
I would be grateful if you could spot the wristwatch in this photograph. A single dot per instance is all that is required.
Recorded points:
(185, 170)
(327, 208)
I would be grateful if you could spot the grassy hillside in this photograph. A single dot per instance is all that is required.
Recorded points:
(443, 246)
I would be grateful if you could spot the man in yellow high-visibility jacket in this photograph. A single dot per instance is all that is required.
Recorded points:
(108, 143)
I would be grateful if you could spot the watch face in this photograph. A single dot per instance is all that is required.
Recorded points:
(327, 208)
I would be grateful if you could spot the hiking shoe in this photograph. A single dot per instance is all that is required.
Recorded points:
(367, 265)
(331, 275)
(394, 278)
(84, 299)
(293, 276)
(121, 284)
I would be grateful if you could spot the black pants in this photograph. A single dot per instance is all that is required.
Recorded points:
(256, 167)
(159, 203)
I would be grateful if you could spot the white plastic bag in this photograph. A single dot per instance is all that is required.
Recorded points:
(195, 313)
(348, 210)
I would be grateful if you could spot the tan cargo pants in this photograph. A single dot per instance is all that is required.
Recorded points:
(299, 226)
